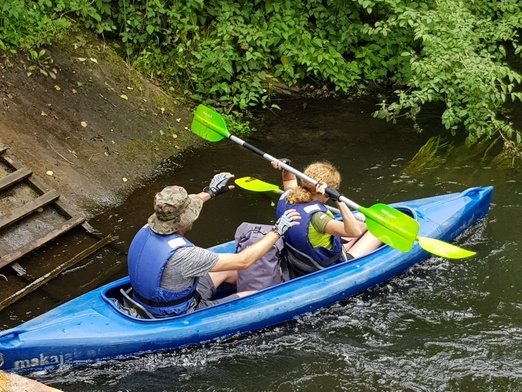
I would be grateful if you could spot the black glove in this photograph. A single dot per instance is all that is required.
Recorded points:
(218, 185)
(332, 193)
(284, 222)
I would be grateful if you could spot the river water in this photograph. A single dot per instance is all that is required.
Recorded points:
(442, 326)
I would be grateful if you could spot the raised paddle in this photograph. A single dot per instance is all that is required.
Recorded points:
(255, 185)
(434, 246)
(388, 224)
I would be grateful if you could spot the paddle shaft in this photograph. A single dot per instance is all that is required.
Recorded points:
(333, 209)
(288, 168)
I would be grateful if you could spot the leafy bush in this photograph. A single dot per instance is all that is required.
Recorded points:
(230, 51)
(27, 25)
(461, 61)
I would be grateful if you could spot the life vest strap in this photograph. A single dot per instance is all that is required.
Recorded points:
(195, 294)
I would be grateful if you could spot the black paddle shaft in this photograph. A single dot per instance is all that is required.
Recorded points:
(329, 190)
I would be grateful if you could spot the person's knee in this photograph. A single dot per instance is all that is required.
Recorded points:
(231, 277)
(223, 277)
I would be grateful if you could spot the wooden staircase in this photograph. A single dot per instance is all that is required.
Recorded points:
(32, 218)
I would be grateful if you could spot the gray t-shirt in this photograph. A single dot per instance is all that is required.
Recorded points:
(185, 265)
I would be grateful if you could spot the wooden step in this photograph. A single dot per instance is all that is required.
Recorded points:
(22, 251)
(28, 208)
(55, 272)
(14, 177)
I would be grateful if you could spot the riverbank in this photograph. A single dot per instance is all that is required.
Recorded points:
(93, 131)
(14, 383)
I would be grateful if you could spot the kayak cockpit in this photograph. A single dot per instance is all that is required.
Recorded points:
(119, 297)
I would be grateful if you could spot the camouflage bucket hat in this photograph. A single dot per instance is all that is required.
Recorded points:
(174, 210)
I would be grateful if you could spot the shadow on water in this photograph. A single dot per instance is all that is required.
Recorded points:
(443, 325)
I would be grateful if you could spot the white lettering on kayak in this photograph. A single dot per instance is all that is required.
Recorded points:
(42, 360)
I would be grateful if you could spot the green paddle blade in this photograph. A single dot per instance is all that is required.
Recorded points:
(391, 226)
(444, 249)
(255, 185)
(209, 125)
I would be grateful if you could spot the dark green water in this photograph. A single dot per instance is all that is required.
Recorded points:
(442, 326)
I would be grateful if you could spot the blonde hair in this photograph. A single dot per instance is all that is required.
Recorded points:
(319, 171)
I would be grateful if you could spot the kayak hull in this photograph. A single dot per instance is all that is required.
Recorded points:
(92, 327)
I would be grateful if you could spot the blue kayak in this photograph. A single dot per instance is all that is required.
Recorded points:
(94, 327)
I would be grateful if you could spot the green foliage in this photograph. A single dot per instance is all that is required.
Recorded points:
(228, 52)
(460, 60)
(237, 124)
(27, 24)
(230, 49)
(40, 62)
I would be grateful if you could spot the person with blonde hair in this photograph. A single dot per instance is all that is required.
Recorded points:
(320, 240)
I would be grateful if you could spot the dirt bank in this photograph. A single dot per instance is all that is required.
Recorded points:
(96, 129)
(15, 383)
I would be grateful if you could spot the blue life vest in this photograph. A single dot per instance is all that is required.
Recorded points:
(148, 255)
(297, 236)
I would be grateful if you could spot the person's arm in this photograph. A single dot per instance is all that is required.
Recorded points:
(289, 179)
(348, 227)
(204, 196)
(245, 258)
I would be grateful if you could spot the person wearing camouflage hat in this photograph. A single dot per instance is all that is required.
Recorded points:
(170, 275)
(174, 210)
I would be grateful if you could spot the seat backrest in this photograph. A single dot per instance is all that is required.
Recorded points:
(129, 302)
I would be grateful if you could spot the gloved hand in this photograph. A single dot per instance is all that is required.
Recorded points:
(286, 221)
(218, 185)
